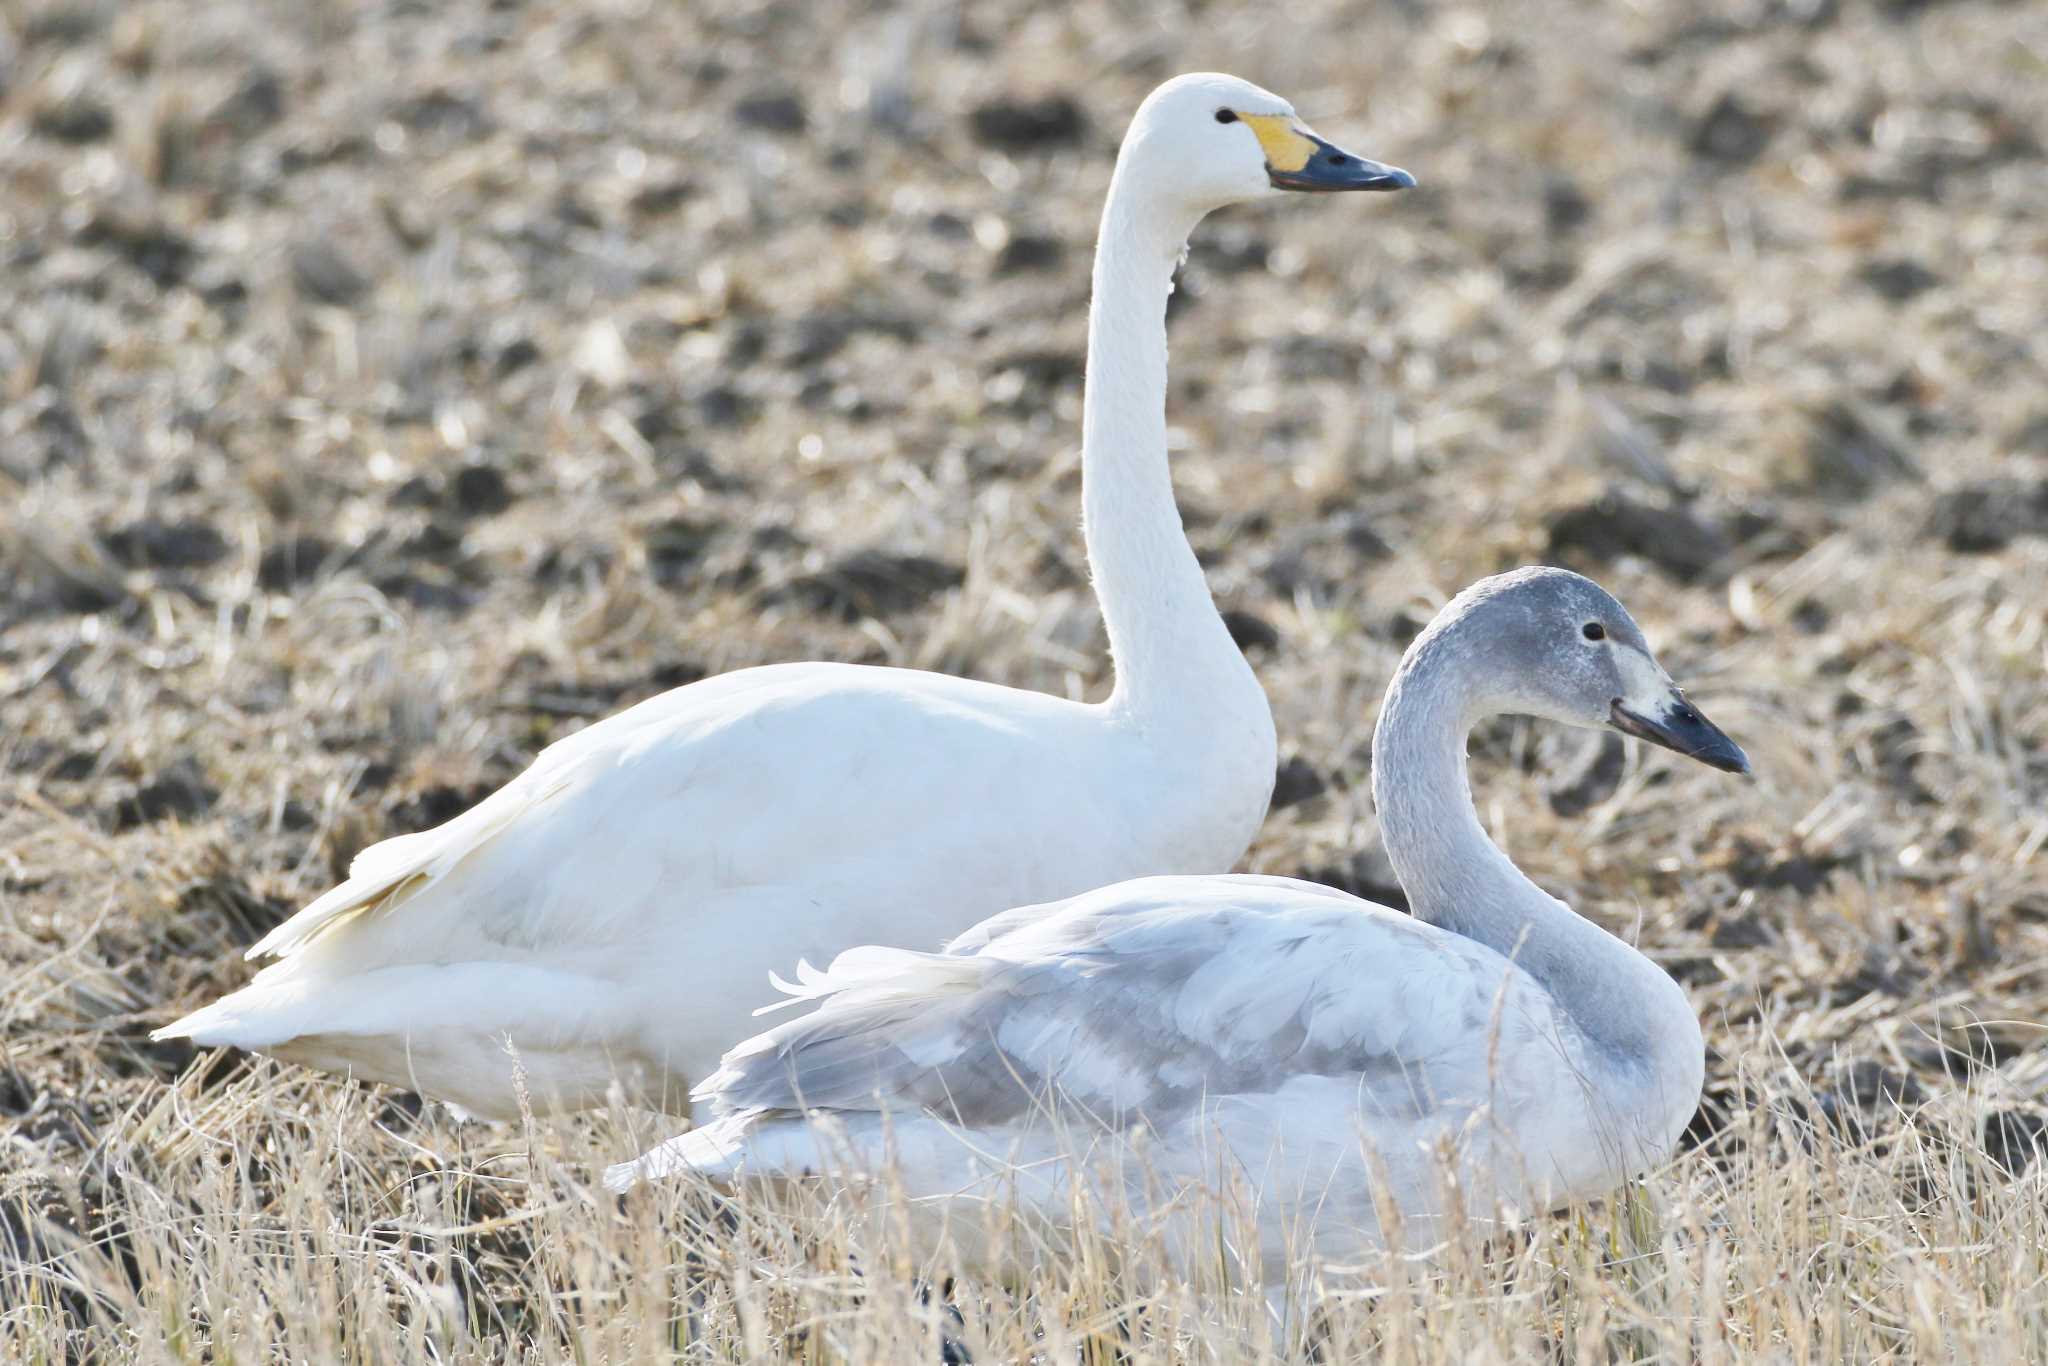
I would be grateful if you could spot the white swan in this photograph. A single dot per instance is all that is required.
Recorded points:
(1233, 1031)
(614, 911)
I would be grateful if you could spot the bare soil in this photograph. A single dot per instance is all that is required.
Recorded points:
(389, 389)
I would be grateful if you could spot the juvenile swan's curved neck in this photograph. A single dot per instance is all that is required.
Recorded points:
(1174, 659)
(1457, 878)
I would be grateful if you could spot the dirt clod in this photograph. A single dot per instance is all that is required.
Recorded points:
(2015, 1139)
(1029, 251)
(188, 544)
(294, 560)
(481, 491)
(1978, 519)
(77, 118)
(179, 791)
(1899, 279)
(1850, 453)
(1366, 874)
(774, 111)
(1015, 124)
(1592, 780)
(1676, 539)
(1297, 781)
(871, 583)
(1250, 630)
(1730, 132)
(1867, 1096)
(324, 275)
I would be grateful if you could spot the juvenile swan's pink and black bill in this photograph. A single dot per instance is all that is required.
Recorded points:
(1678, 725)
(1297, 159)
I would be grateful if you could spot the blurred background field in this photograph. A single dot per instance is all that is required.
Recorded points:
(388, 389)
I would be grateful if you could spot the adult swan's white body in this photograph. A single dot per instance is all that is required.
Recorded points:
(1262, 1036)
(615, 911)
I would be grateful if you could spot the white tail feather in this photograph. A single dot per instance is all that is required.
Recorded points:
(713, 1151)
(387, 873)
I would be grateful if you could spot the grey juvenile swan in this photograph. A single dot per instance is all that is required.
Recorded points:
(1189, 1032)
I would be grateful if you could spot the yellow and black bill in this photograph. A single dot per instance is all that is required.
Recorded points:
(1297, 159)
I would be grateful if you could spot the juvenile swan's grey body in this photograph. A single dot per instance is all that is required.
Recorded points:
(1231, 1032)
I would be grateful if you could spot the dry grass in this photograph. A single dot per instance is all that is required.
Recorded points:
(278, 1218)
(387, 390)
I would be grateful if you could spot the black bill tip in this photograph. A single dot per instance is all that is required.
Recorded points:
(1330, 169)
(1681, 728)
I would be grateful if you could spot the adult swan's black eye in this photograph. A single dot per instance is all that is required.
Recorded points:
(1595, 631)
(1226, 116)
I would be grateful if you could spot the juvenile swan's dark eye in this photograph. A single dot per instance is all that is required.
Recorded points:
(1595, 631)
(1226, 116)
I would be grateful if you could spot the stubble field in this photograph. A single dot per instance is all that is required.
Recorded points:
(387, 390)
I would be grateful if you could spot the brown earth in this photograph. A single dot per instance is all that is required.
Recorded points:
(387, 390)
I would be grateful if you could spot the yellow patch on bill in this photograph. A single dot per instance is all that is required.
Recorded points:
(1286, 146)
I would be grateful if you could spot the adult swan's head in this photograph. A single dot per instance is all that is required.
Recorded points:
(1208, 140)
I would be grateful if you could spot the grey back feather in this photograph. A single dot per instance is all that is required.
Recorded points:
(1139, 999)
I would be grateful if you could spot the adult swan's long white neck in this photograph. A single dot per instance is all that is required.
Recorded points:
(1164, 630)
(615, 911)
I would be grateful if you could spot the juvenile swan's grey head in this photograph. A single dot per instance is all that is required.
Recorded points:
(1551, 643)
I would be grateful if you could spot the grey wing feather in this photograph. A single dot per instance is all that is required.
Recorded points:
(1136, 1007)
